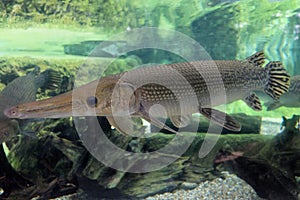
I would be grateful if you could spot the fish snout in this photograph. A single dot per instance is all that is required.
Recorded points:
(13, 112)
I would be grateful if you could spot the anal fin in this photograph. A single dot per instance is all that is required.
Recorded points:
(221, 119)
(253, 102)
(142, 113)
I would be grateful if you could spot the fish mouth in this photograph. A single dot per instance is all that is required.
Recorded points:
(12, 112)
(54, 112)
(61, 106)
(73, 103)
(57, 107)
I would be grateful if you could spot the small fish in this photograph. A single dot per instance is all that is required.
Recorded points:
(289, 99)
(135, 93)
(224, 156)
(21, 90)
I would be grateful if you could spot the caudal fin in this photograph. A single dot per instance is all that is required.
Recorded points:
(278, 80)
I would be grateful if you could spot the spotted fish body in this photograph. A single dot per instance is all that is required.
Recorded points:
(237, 78)
(180, 88)
(205, 80)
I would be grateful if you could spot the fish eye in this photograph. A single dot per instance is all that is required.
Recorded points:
(11, 112)
(92, 101)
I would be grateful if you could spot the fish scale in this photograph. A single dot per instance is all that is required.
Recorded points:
(295, 85)
(236, 78)
(233, 76)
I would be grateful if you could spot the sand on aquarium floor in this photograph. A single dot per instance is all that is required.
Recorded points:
(231, 187)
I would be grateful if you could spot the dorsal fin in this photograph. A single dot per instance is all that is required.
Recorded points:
(258, 59)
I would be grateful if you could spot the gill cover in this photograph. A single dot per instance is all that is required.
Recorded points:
(125, 99)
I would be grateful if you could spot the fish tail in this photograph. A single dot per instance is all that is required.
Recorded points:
(49, 79)
(278, 80)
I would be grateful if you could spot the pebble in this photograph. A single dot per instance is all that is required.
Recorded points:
(231, 187)
(188, 185)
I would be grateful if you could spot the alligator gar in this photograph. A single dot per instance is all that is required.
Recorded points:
(137, 91)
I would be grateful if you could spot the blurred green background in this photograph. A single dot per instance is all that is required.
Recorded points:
(66, 31)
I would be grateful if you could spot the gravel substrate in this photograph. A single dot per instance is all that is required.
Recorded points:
(231, 188)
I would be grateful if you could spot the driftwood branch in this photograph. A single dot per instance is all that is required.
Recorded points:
(270, 164)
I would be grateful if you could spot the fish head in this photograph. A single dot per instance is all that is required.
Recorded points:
(97, 98)
(8, 129)
(105, 97)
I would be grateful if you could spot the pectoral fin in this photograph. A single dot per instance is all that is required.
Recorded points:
(253, 102)
(181, 121)
(154, 121)
(221, 119)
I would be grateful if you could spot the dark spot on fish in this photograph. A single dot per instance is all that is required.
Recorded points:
(11, 112)
(92, 101)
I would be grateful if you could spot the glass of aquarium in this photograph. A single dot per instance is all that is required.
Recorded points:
(184, 99)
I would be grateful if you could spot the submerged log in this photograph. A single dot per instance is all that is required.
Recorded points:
(272, 168)
(10, 180)
(249, 125)
(250, 156)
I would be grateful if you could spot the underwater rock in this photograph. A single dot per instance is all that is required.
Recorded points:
(46, 167)
(58, 156)
(10, 179)
(270, 169)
